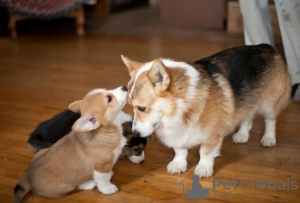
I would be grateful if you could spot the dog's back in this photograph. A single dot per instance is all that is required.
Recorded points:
(253, 74)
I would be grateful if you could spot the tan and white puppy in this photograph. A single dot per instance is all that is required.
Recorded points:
(85, 157)
(192, 104)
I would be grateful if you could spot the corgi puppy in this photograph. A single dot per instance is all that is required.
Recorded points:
(50, 131)
(85, 157)
(135, 146)
(192, 104)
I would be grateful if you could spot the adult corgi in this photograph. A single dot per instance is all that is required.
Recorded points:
(191, 104)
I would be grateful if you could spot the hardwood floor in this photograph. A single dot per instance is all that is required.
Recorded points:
(40, 76)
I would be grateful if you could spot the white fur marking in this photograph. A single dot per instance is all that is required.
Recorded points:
(104, 184)
(88, 185)
(191, 72)
(144, 68)
(95, 91)
(269, 138)
(242, 135)
(179, 163)
(138, 159)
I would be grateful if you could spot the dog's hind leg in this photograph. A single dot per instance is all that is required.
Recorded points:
(271, 109)
(242, 135)
(269, 137)
(88, 185)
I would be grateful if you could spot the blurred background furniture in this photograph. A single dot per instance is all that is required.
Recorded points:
(193, 14)
(46, 10)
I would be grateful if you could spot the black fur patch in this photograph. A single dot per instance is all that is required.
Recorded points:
(19, 188)
(50, 131)
(211, 68)
(244, 67)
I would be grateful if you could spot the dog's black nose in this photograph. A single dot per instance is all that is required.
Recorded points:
(124, 88)
(142, 161)
(136, 134)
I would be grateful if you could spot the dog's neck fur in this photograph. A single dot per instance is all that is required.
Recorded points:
(189, 101)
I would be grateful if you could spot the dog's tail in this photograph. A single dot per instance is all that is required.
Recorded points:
(21, 189)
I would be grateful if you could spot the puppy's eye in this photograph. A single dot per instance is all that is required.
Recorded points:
(109, 98)
(142, 109)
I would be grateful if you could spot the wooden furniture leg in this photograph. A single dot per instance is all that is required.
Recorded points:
(13, 18)
(80, 20)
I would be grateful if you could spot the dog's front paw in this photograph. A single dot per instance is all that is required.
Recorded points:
(177, 166)
(267, 141)
(240, 138)
(203, 171)
(108, 189)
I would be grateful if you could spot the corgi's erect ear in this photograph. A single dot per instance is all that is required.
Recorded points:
(131, 65)
(86, 124)
(75, 106)
(159, 76)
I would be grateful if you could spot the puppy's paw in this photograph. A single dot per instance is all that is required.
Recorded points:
(268, 141)
(108, 189)
(240, 138)
(177, 167)
(88, 185)
(203, 171)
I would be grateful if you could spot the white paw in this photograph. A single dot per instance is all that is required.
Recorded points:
(267, 141)
(88, 185)
(177, 167)
(240, 138)
(203, 171)
(108, 189)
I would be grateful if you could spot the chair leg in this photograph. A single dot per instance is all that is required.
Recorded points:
(12, 26)
(80, 21)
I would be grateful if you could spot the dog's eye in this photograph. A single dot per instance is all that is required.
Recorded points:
(142, 109)
(109, 98)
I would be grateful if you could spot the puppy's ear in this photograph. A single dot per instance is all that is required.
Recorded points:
(159, 76)
(131, 65)
(75, 106)
(86, 124)
(126, 150)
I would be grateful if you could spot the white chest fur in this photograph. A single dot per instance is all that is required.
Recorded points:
(121, 118)
(174, 133)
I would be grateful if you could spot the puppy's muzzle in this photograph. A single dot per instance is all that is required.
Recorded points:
(124, 88)
(135, 133)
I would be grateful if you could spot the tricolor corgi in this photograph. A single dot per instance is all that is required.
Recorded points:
(85, 157)
(192, 104)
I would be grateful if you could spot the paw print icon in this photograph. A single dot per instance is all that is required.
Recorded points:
(261, 184)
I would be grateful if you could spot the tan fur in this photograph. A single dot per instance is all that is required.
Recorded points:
(71, 161)
(213, 106)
